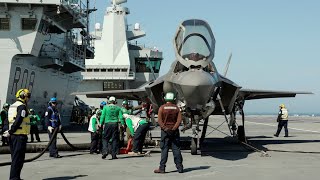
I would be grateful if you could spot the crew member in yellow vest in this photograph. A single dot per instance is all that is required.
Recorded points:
(282, 121)
(19, 128)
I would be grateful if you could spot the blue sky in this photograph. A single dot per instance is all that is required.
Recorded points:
(275, 44)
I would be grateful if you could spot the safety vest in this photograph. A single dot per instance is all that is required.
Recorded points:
(90, 128)
(12, 114)
(136, 121)
(54, 118)
(284, 114)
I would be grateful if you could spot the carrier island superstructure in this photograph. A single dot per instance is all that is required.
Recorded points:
(119, 62)
(40, 51)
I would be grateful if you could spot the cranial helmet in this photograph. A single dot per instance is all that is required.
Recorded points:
(112, 99)
(282, 105)
(53, 100)
(98, 112)
(6, 106)
(125, 102)
(23, 94)
(169, 96)
(103, 103)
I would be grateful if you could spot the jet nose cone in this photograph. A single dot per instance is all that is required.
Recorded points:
(196, 87)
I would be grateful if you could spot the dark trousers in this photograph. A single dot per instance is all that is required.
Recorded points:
(18, 144)
(5, 140)
(34, 131)
(111, 130)
(170, 138)
(53, 150)
(283, 123)
(95, 142)
(139, 137)
(121, 136)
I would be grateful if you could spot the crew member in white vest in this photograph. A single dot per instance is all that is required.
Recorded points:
(94, 130)
(282, 120)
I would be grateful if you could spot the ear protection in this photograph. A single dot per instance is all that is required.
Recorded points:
(22, 94)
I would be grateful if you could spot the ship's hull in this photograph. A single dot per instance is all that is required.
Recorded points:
(43, 84)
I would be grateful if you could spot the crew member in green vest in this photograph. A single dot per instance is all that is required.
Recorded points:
(138, 129)
(34, 120)
(111, 116)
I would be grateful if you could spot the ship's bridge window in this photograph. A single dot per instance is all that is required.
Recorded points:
(110, 70)
(117, 70)
(124, 70)
(103, 70)
(145, 66)
(96, 70)
(28, 23)
(5, 24)
(89, 70)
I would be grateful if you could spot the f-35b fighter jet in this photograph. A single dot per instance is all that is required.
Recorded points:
(200, 89)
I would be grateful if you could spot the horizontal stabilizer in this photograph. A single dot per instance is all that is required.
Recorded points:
(248, 94)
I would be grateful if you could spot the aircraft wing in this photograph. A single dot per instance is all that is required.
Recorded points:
(131, 94)
(249, 94)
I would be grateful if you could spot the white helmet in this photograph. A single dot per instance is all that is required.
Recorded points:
(112, 99)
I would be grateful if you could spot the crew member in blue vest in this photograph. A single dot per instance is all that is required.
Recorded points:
(52, 118)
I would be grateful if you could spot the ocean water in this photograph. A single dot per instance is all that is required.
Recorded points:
(290, 114)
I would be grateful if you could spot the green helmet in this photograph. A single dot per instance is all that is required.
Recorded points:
(169, 96)
(125, 102)
(6, 105)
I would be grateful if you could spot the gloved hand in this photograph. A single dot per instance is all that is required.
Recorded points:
(50, 129)
(6, 134)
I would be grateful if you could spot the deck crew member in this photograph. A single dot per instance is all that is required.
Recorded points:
(19, 128)
(4, 123)
(94, 130)
(138, 129)
(169, 119)
(282, 120)
(34, 120)
(110, 117)
(53, 121)
(102, 104)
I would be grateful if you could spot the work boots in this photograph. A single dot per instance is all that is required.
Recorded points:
(161, 171)
(104, 155)
(179, 168)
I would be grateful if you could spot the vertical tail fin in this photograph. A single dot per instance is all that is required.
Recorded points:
(227, 65)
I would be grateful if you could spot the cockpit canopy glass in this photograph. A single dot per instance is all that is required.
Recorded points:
(195, 41)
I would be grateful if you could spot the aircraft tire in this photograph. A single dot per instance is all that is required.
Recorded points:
(241, 134)
(193, 146)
